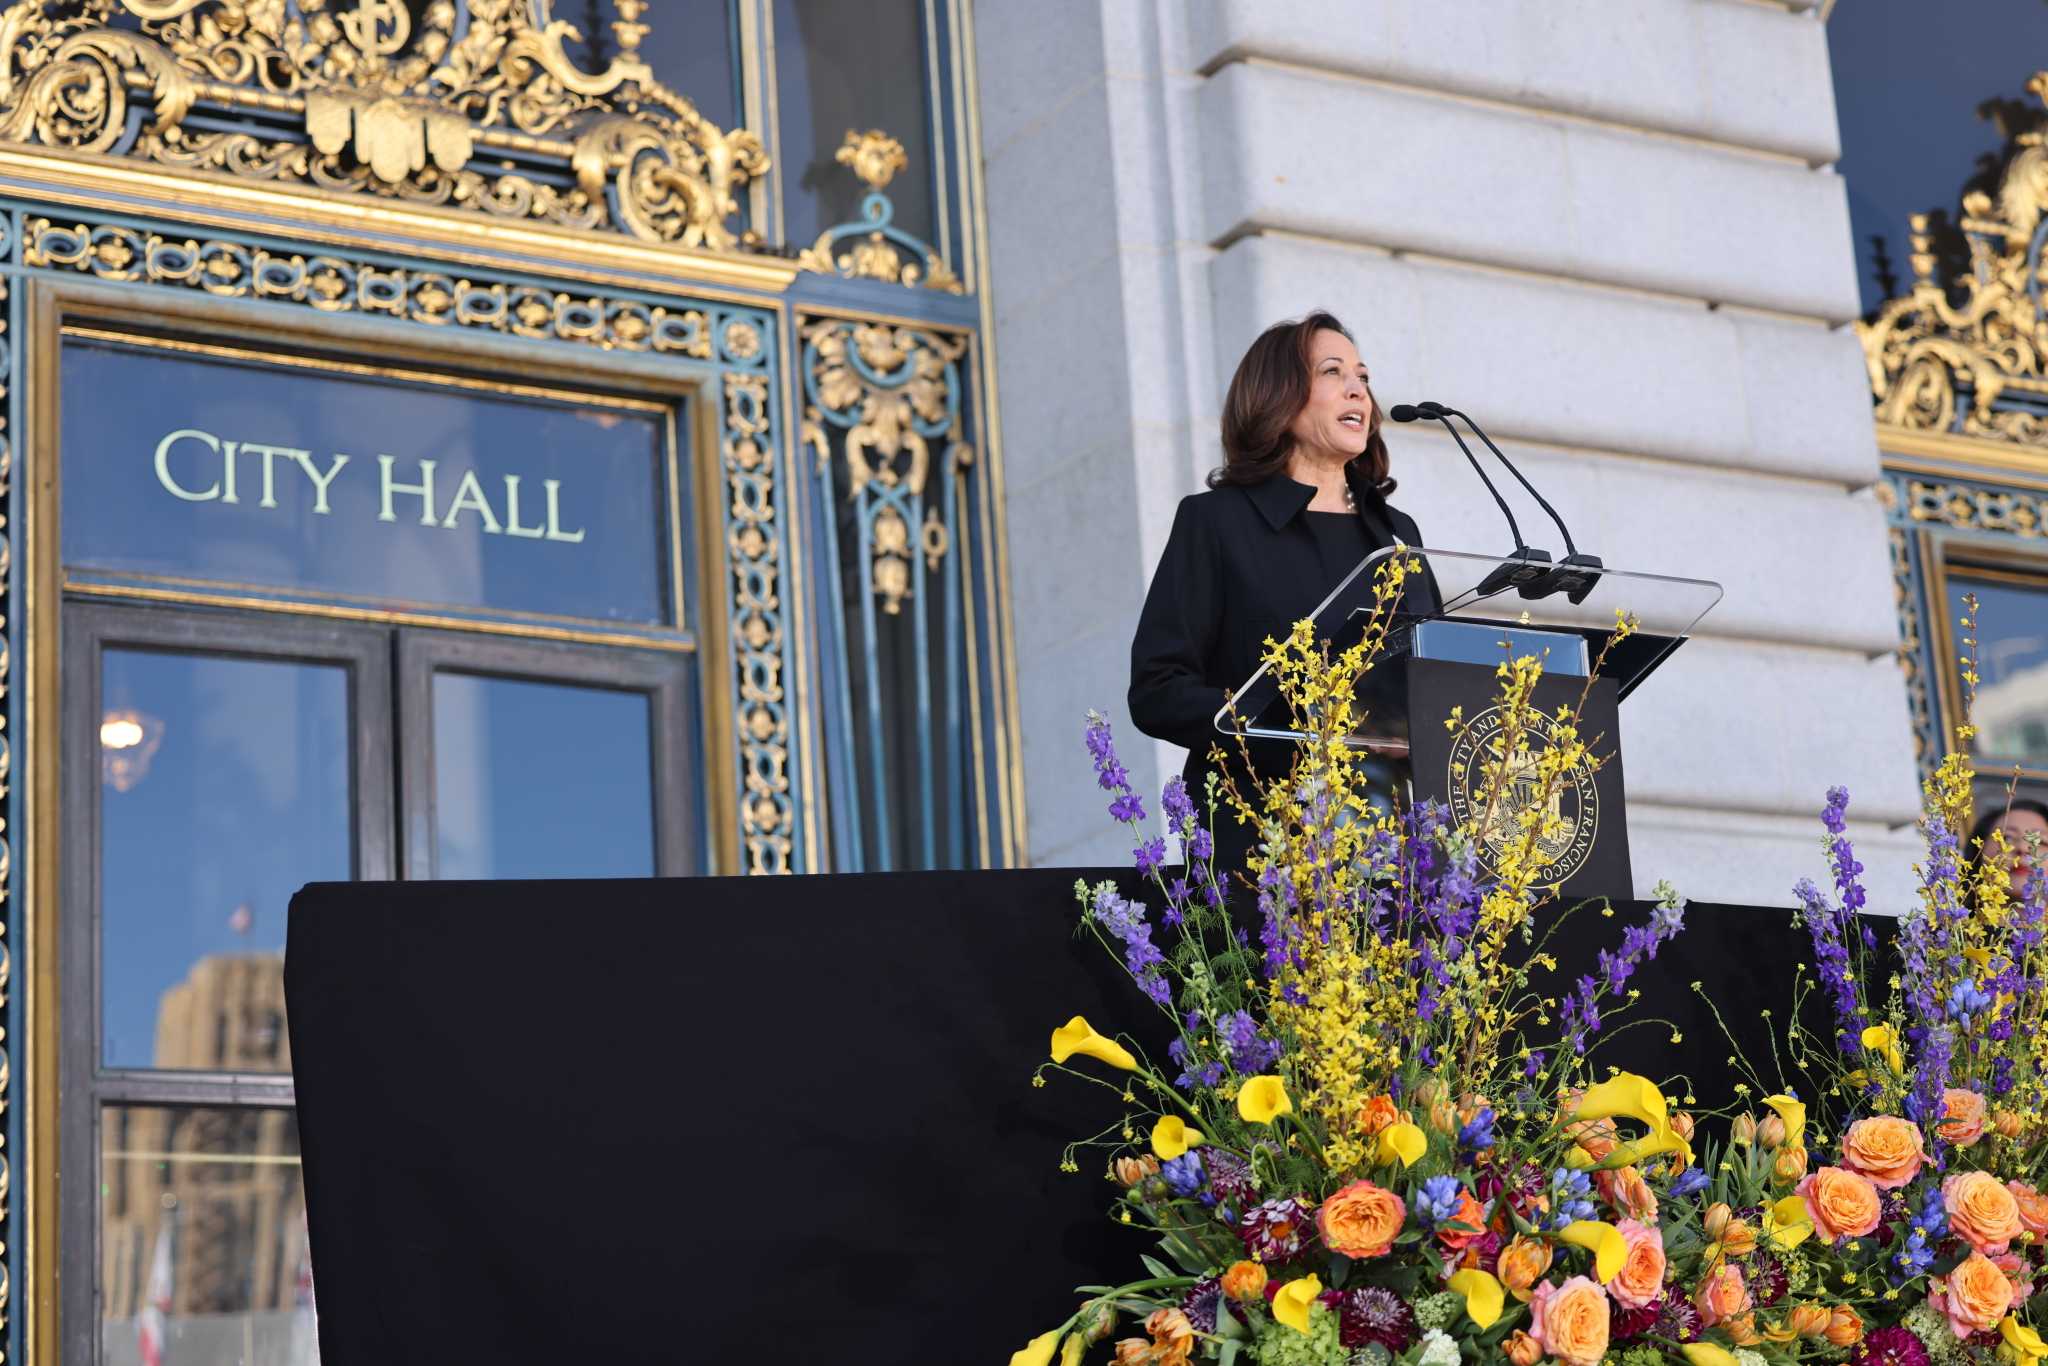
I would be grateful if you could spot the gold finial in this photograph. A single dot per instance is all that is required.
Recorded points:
(874, 156)
(628, 29)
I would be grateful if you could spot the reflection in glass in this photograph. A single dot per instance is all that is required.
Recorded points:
(2011, 714)
(541, 780)
(1926, 109)
(245, 800)
(840, 67)
(203, 1239)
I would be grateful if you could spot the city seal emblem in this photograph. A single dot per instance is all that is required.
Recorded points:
(1572, 804)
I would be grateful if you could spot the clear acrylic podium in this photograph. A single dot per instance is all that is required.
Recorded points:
(1457, 620)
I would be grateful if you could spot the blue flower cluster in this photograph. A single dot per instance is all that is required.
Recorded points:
(1930, 1226)
(1571, 1197)
(1437, 1200)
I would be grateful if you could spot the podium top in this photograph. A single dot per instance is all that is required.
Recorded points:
(1526, 597)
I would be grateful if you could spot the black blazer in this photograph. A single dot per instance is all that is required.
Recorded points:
(1241, 564)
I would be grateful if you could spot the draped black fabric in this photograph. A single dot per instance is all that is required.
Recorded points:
(769, 1120)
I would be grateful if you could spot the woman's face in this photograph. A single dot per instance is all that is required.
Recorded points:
(2018, 826)
(1336, 421)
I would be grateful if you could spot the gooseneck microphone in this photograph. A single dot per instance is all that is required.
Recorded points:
(1526, 568)
(1575, 574)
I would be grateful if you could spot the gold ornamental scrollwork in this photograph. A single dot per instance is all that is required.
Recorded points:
(886, 398)
(357, 95)
(873, 247)
(1965, 354)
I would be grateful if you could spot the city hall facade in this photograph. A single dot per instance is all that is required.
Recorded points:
(482, 439)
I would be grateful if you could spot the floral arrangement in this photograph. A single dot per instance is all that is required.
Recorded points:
(1377, 1137)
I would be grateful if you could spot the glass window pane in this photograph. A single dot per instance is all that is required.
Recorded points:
(541, 780)
(352, 485)
(224, 788)
(2012, 663)
(689, 44)
(203, 1239)
(840, 67)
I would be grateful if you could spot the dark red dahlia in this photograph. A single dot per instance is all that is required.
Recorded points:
(1199, 1304)
(1521, 1185)
(1680, 1321)
(1277, 1230)
(1230, 1177)
(1374, 1314)
(1768, 1280)
(1486, 1247)
(1625, 1325)
(1894, 1346)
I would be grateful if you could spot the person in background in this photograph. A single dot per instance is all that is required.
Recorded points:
(2025, 825)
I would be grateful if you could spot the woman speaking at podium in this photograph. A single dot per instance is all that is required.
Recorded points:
(1300, 499)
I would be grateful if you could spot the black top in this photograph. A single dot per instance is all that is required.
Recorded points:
(1243, 563)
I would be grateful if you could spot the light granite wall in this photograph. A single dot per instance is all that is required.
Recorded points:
(1610, 228)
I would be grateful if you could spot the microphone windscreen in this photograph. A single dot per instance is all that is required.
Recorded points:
(1404, 412)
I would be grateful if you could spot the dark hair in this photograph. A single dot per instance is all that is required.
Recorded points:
(1268, 392)
(1993, 815)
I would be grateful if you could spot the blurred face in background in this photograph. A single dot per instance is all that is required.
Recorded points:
(2026, 840)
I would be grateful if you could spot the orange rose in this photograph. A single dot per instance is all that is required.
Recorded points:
(1841, 1203)
(1361, 1220)
(1470, 1213)
(1887, 1150)
(1845, 1327)
(1522, 1263)
(1976, 1295)
(1721, 1295)
(1981, 1212)
(1962, 1116)
(1377, 1114)
(1522, 1349)
(1569, 1321)
(1641, 1278)
(2033, 1207)
(1245, 1282)
(1625, 1190)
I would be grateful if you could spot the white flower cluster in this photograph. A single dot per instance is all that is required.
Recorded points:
(1441, 1349)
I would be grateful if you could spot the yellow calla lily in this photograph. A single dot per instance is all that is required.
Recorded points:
(1578, 1159)
(1038, 1351)
(1171, 1137)
(1078, 1036)
(1787, 1223)
(1626, 1094)
(2022, 1339)
(1633, 1152)
(1604, 1241)
(1405, 1142)
(1291, 1305)
(1885, 1040)
(1073, 1349)
(1707, 1354)
(1261, 1100)
(1793, 1112)
(1483, 1296)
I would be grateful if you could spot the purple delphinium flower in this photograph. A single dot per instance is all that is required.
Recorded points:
(1690, 1182)
(1149, 855)
(1184, 1175)
(1929, 1227)
(1437, 1200)
(1477, 1135)
(1250, 1054)
(1926, 945)
(1176, 803)
(1126, 920)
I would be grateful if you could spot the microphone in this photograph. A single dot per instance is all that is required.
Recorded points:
(1575, 574)
(1527, 568)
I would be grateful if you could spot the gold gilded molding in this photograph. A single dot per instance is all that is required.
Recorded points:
(756, 629)
(874, 247)
(1942, 356)
(355, 96)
